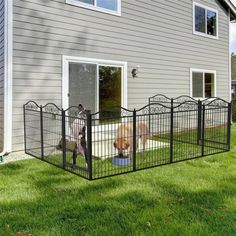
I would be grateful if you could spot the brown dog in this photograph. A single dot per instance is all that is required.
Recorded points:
(124, 137)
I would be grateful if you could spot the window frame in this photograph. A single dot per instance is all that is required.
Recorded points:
(95, 7)
(192, 70)
(217, 21)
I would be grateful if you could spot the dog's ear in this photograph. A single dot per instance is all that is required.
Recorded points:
(115, 145)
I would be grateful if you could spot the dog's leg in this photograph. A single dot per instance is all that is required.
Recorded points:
(75, 152)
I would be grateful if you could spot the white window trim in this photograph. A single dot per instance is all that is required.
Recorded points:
(65, 76)
(217, 22)
(95, 7)
(201, 71)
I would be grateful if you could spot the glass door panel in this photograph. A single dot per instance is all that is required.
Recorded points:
(109, 91)
(82, 85)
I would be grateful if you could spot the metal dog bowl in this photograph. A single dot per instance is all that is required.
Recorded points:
(121, 160)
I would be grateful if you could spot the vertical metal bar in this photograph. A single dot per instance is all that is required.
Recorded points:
(63, 138)
(203, 128)
(134, 140)
(41, 132)
(229, 125)
(25, 145)
(199, 123)
(149, 115)
(171, 130)
(89, 145)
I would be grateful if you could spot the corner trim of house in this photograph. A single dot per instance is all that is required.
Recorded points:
(8, 52)
(230, 74)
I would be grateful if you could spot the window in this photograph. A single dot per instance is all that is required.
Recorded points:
(203, 84)
(205, 21)
(107, 6)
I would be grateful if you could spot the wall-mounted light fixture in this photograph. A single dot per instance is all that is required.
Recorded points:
(135, 72)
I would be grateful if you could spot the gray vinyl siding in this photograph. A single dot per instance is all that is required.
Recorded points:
(157, 35)
(1, 74)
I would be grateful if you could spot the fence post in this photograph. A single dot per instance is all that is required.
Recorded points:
(41, 132)
(203, 128)
(199, 122)
(25, 145)
(89, 145)
(134, 140)
(229, 125)
(149, 113)
(171, 129)
(63, 138)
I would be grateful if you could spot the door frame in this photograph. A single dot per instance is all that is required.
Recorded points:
(65, 76)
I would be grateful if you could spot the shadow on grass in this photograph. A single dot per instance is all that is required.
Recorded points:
(67, 205)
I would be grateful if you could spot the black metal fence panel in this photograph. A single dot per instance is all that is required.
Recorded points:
(234, 110)
(104, 144)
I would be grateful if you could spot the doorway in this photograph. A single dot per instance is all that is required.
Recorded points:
(100, 85)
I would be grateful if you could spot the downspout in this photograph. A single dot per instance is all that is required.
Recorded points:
(8, 43)
(230, 76)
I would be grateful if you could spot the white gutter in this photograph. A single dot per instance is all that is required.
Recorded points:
(231, 6)
(8, 43)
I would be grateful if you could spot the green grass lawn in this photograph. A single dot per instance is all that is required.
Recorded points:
(189, 198)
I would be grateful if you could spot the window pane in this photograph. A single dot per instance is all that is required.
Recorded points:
(209, 85)
(109, 91)
(87, 1)
(211, 23)
(197, 84)
(108, 4)
(82, 85)
(200, 23)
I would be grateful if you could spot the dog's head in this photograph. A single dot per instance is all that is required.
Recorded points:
(121, 145)
(82, 112)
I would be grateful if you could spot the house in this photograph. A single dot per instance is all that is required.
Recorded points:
(233, 74)
(102, 53)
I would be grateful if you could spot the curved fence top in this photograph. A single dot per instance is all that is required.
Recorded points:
(51, 107)
(213, 101)
(216, 102)
(158, 103)
(31, 105)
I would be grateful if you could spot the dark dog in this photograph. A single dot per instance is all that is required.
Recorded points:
(78, 133)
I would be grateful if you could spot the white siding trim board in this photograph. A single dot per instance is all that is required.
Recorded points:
(8, 49)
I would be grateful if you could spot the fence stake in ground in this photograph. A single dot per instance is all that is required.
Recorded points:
(171, 129)
(134, 140)
(41, 132)
(203, 128)
(24, 128)
(89, 144)
(229, 124)
(63, 138)
(199, 124)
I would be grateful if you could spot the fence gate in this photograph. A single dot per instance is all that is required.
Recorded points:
(185, 129)
(216, 122)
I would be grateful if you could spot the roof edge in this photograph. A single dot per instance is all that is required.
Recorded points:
(232, 8)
